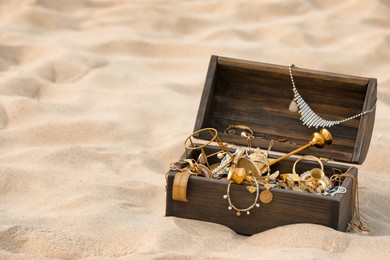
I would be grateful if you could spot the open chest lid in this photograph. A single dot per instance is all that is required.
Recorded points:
(258, 95)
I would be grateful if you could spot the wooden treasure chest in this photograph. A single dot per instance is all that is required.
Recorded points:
(273, 145)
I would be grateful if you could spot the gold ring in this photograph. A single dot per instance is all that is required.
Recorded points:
(308, 157)
(212, 131)
(241, 127)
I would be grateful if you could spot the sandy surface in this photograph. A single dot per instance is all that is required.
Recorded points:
(97, 97)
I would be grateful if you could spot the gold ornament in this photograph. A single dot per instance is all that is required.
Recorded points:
(266, 195)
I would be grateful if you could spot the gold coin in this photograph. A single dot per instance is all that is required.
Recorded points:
(266, 196)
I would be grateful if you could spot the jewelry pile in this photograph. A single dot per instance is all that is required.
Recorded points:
(249, 167)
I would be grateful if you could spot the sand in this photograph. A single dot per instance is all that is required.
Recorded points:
(97, 97)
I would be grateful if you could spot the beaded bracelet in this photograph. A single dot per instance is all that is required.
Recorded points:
(238, 211)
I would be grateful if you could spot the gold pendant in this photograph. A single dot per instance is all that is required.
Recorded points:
(294, 176)
(266, 196)
(251, 189)
(293, 107)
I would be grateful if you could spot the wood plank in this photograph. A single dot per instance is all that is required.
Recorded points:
(206, 203)
(334, 79)
(291, 134)
(231, 78)
(204, 113)
(253, 92)
(264, 107)
(366, 125)
(346, 201)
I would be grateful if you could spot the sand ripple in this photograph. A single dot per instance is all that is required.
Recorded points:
(97, 96)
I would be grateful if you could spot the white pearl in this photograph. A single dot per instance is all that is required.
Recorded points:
(293, 107)
(220, 155)
(230, 208)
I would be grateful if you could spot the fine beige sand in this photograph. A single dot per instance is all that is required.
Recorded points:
(97, 97)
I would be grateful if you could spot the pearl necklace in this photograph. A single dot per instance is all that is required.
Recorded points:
(308, 116)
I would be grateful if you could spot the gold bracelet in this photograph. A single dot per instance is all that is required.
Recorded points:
(308, 157)
(238, 210)
(199, 149)
(179, 188)
(314, 180)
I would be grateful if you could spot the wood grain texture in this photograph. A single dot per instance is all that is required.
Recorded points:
(206, 202)
(258, 95)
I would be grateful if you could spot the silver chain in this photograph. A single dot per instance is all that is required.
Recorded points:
(309, 117)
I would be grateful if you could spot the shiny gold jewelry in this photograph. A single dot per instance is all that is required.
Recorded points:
(251, 189)
(249, 162)
(266, 195)
(282, 184)
(318, 139)
(258, 156)
(294, 176)
(191, 168)
(238, 210)
(173, 166)
(259, 159)
(293, 186)
(249, 166)
(199, 149)
(197, 168)
(315, 180)
(179, 188)
(191, 164)
(180, 181)
(307, 157)
(289, 182)
(238, 175)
